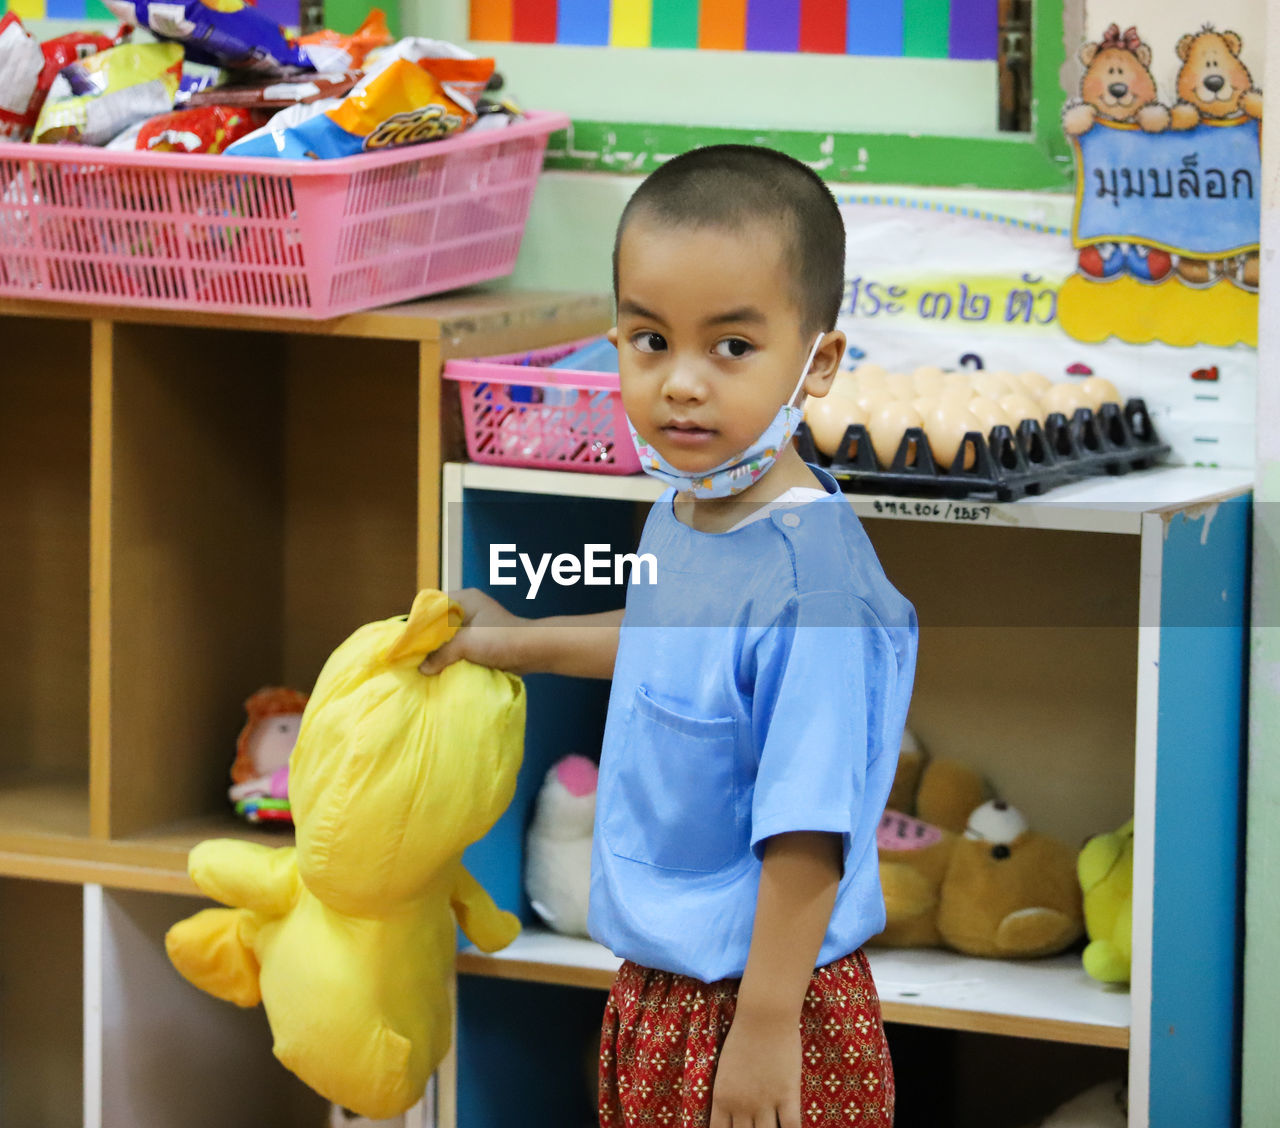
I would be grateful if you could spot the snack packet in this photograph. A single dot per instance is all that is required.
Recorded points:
(333, 52)
(220, 33)
(402, 103)
(96, 98)
(277, 93)
(21, 97)
(204, 129)
(21, 62)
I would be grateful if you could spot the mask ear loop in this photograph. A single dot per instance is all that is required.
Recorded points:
(804, 375)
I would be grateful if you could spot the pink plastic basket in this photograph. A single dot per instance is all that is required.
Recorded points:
(260, 236)
(519, 412)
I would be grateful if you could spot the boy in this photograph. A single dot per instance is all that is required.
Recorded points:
(759, 689)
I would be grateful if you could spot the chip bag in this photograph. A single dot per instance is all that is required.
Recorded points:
(93, 100)
(333, 52)
(403, 103)
(20, 64)
(205, 129)
(28, 70)
(220, 33)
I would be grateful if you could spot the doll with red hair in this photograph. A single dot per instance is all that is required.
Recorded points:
(260, 774)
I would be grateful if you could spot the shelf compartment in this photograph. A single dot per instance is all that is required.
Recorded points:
(41, 1004)
(1050, 1000)
(44, 573)
(257, 501)
(160, 1051)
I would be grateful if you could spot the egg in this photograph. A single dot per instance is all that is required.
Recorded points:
(1034, 383)
(886, 427)
(959, 395)
(990, 414)
(844, 383)
(946, 427)
(900, 386)
(870, 371)
(828, 418)
(1019, 406)
(993, 385)
(1064, 398)
(925, 404)
(1098, 390)
(962, 379)
(870, 399)
(928, 380)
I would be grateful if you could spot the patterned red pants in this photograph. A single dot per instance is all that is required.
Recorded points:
(662, 1037)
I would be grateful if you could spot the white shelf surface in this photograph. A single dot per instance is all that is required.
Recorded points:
(1102, 504)
(1050, 999)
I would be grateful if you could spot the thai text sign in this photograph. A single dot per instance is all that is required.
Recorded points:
(1193, 192)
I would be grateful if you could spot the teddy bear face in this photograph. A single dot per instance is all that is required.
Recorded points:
(1212, 78)
(1117, 83)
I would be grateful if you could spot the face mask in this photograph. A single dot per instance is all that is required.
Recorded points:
(742, 470)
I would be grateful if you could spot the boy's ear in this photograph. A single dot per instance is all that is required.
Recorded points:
(826, 363)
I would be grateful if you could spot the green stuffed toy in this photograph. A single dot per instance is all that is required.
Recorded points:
(1105, 867)
(348, 939)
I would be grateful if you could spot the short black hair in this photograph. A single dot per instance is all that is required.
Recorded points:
(732, 185)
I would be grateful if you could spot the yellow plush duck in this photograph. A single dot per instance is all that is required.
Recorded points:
(348, 939)
(1105, 868)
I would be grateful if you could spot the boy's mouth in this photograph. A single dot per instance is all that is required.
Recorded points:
(685, 434)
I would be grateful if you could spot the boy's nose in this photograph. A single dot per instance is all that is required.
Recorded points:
(683, 384)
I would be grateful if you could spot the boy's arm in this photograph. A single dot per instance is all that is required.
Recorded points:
(758, 1077)
(583, 646)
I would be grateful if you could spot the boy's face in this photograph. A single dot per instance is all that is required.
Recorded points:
(710, 342)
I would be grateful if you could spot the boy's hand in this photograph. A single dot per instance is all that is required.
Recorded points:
(757, 1081)
(489, 636)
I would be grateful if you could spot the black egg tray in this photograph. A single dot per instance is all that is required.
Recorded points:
(1007, 463)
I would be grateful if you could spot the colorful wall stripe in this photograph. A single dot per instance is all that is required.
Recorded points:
(29, 10)
(932, 29)
(630, 23)
(722, 25)
(823, 27)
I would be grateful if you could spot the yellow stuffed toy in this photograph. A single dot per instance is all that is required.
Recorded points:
(348, 939)
(1105, 868)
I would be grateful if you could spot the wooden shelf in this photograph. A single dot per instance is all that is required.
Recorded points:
(463, 321)
(1101, 505)
(1051, 1000)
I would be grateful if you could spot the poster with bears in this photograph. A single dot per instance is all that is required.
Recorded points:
(1167, 190)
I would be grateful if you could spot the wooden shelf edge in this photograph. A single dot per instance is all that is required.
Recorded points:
(551, 973)
(534, 971)
(86, 871)
(461, 321)
(982, 1022)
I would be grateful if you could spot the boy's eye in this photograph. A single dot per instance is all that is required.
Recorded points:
(648, 342)
(734, 348)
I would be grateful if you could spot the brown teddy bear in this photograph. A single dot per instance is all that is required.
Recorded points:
(1117, 85)
(1214, 85)
(982, 882)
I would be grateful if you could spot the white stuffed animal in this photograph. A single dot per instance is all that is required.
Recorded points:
(558, 848)
(1102, 1106)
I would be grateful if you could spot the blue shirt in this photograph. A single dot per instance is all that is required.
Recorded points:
(761, 687)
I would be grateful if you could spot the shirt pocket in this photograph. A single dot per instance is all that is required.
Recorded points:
(676, 790)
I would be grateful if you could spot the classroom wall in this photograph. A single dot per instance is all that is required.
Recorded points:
(570, 231)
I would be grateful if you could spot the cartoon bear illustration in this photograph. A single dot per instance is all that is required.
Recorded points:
(1117, 85)
(1215, 85)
